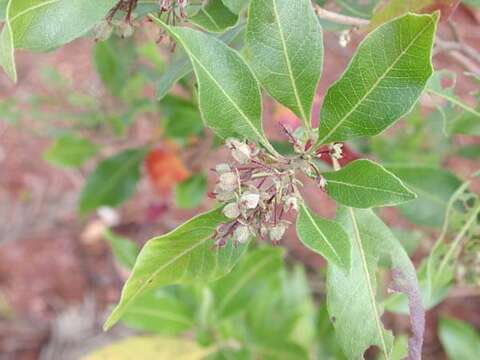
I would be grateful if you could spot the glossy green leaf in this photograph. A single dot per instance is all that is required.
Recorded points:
(352, 298)
(42, 25)
(124, 250)
(365, 184)
(181, 65)
(229, 94)
(185, 255)
(159, 312)
(190, 193)
(214, 17)
(285, 49)
(324, 237)
(113, 181)
(236, 6)
(382, 82)
(434, 188)
(150, 347)
(460, 340)
(70, 151)
(236, 290)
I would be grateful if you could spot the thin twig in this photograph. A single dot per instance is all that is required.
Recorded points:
(339, 18)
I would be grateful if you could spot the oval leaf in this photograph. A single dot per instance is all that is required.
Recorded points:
(185, 255)
(365, 184)
(382, 82)
(42, 25)
(113, 181)
(324, 237)
(285, 48)
(229, 94)
(70, 151)
(460, 340)
(352, 298)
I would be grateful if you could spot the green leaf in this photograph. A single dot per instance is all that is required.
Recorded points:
(124, 250)
(236, 6)
(159, 312)
(324, 237)
(382, 82)
(7, 50)
(43, 25)
(70, 151)
(468, 123)
(113, 181)
(181, 65)
(236, 290)
(470, 151)
(352, 298)
(365, 184)
(185, 255)
(182, 118)
(150, 347)
(434, 188)
(460, 340)
(285, 49)
(190, 193)
(229, 95)
(214, 17)
(3, 9)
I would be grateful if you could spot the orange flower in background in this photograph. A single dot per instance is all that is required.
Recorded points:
(165, 169)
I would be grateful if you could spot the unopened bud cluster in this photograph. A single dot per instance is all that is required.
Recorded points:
(258, 191)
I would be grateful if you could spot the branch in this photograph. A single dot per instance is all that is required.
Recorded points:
(339, 18)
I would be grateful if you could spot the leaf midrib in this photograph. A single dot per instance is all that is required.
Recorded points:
(239, 110)
(402, 194)
(371, 292)
(289, 66)
(379, 80)
(310, 218)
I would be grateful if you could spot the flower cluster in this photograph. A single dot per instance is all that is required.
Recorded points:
(258, 190)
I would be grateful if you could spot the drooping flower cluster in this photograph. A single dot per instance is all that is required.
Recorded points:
(258, 190)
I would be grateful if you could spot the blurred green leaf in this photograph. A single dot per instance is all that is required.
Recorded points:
(113, 181)
(184, 255)
(214, 17)
(124, 250)
(236, 6)
(70, 151)
(470, 151)
(434, 188)
(182, 118)
(234, 291)
(190, 193)
(3, 9)
(159, 312)
(460, 340)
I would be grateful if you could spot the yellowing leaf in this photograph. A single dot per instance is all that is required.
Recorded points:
(150, 347)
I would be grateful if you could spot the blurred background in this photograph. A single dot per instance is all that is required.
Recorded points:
(61, 268)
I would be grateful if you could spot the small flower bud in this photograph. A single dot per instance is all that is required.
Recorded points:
(231, 211)
(336, 151)
(277, 232)
(241, 152)
(228, 181)
(103, 30)
(241, 234)
(291, 203)
(249, 200)
(125, 29)
(222, 169)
